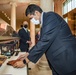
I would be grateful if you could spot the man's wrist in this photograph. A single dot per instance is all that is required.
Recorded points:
(24, 61)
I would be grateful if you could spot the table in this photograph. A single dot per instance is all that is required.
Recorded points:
(8, 39)
(9, 70)
(5, 38)
(10, 42)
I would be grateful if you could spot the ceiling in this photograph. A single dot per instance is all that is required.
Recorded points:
(5, 8)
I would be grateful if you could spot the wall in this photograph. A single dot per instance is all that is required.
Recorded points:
(3, 24)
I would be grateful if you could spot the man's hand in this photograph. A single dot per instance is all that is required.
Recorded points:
(23, 56)
(19, 64)
(29, 42)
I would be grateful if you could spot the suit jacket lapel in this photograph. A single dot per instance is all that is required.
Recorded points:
(42, 24)
(44, 17)
(40, 32)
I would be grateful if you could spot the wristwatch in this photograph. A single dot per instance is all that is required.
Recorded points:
(24, 61)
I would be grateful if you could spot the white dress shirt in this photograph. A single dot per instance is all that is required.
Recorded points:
(41, 19)
(25, 29)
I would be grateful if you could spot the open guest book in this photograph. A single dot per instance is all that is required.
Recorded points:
(12, 62)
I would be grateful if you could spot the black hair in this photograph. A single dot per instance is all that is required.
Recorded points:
(32, 8)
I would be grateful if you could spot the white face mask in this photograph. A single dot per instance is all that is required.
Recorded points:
(35, 21)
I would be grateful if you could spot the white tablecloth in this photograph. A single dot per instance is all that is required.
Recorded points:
(9, 70)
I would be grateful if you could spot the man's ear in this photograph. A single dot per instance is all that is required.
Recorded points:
(36, 12)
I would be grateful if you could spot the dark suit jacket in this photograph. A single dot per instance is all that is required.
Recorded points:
(57, 42)
(24, 37)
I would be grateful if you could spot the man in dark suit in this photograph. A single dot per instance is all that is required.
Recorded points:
(56, 41)
(24, 37)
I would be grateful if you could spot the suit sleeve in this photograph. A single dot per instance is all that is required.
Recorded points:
(29, 36)
(49, 32)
